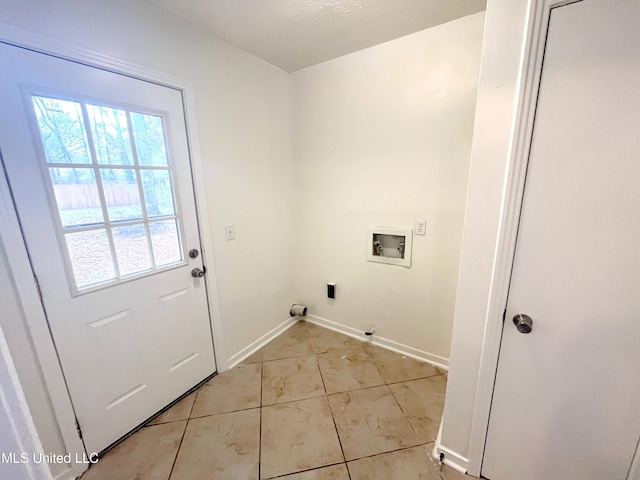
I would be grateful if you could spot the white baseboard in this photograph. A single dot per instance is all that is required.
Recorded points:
(453, 460)
(449, 458)
(435, 360)
(421, 355)
(259, 343)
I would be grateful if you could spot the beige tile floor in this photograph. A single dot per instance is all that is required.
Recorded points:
(311, 405)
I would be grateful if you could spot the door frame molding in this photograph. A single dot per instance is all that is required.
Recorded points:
(17, 255)
(537, 24)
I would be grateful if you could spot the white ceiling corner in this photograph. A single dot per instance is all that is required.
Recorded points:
(294, 34)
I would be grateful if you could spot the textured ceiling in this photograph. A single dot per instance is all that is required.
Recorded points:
(294, 34)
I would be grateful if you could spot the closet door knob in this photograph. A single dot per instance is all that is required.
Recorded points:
(524, 323)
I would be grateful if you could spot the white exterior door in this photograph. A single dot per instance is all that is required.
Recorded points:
(567, 395)
(99, 169)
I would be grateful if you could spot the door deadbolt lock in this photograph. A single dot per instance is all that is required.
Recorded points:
(524, 323)
(193, 253)
(197, 273)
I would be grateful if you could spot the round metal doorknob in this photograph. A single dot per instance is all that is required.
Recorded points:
(524, 323)
(197, 273)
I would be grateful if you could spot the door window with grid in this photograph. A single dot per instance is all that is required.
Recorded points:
(110, 175)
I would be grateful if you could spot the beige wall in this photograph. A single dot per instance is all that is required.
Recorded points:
(383, 137)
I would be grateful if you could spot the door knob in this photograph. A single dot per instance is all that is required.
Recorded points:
(524, 323)
(197, 273)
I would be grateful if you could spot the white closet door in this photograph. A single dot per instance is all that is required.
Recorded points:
(566, 397)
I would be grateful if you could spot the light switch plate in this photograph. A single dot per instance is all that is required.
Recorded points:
(230, 231)
(421, 227)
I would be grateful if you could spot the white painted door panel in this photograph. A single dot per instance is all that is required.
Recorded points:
(566, 397)
(130, 346)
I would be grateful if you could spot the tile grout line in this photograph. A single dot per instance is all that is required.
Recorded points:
(394, 451)
(414, 379)
(315, 355)
(406, 415)
(335, 426)
(364, 388)
(373, 360)
(286, 358)
(221, 413)
(175, 459)
(326, 396)
(305, 471)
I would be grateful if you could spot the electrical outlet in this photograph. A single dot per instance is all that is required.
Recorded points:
(421, 227)
(230, 231)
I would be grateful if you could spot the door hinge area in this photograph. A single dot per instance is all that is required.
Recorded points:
(78, 429)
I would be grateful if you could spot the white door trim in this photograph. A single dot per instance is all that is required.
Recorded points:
(18, 259)
(36, 322)
(20, 267)
(512, 195)
(19, 433)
